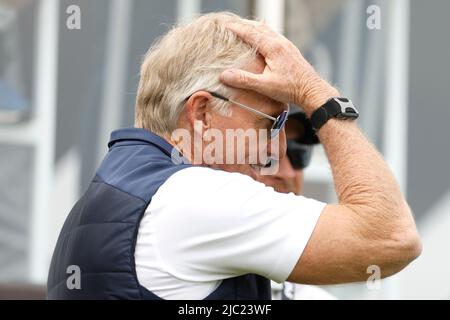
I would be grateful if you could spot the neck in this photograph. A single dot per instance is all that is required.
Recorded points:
(180, 146)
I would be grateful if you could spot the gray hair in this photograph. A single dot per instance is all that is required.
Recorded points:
(187, 59)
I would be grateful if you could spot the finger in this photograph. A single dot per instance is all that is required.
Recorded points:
(268, 29)
(256, 35)
(244, 80)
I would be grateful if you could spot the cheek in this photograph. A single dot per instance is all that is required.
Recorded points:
(242, 149)
(299, 180)
(235, 120)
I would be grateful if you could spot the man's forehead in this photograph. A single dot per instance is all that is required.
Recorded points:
(274, 108)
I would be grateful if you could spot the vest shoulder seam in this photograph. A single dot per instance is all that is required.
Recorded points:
(101, 180)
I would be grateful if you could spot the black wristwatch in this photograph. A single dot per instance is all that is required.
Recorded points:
(336, 107)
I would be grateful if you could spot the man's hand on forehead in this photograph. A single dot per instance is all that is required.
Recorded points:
(287, 76)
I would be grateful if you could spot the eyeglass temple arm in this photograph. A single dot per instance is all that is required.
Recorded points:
(214, 94)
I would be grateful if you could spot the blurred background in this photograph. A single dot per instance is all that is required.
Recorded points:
(69, 73)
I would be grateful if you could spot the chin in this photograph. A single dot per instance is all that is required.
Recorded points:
(252, 173)
(243, 169)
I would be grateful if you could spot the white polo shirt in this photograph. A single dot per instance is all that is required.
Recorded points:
(205, 225)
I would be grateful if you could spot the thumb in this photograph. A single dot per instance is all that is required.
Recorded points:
(243, 80)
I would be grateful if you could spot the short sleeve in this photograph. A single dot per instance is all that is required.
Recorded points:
(214, 225)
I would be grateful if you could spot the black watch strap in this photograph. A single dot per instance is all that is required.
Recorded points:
(341, 108)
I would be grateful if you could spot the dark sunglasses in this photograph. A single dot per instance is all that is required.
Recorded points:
(299, 154)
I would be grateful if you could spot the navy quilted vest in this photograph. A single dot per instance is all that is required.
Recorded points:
(99, 234)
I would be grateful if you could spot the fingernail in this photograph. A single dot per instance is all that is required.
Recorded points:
(228, 75)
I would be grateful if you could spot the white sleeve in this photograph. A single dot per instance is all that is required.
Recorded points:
(214, 225)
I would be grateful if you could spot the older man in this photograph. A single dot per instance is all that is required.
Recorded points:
(170, 214)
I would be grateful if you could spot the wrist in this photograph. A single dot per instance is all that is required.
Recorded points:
(315, 95)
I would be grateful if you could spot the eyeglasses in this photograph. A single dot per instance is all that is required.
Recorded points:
(278, 122)
(299, 154)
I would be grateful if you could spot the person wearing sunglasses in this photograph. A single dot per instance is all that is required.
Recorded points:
(301, 140)
(159, 221)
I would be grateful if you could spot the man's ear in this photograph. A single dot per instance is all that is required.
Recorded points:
(198, 110)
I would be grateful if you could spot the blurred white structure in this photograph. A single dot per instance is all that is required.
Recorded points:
(40, 134)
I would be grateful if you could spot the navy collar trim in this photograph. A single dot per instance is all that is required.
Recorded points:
(137, 134)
